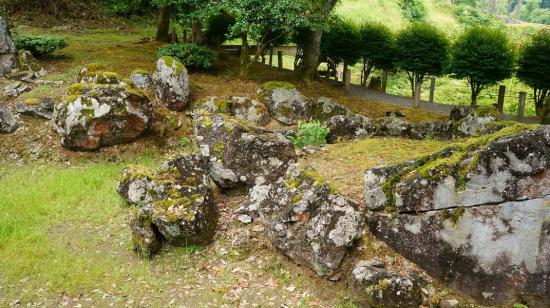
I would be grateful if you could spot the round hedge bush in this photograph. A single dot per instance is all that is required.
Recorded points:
(192, 55)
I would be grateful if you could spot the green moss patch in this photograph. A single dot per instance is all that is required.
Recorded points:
(272, 85)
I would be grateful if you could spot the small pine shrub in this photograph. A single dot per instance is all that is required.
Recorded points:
(41, 45)
(311, 133)
(192, 55)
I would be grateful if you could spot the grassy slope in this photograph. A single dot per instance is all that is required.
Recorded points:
(440, 14)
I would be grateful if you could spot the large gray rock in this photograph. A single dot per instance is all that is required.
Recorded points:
(325, 108)
(239, 154)
(342, 127)
(94, 116)
(374, 286)
(141, 79)
(36, 107)
(250, 110)
(8, 57)
(171, 83)
(287, 106)
(8, 121)
(175, 204)
(307, 220)
(476, 215)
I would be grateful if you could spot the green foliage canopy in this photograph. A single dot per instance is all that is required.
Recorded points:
(534, 67)
(483, 56)
(376, 45)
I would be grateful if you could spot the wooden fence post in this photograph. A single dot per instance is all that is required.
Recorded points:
(432, 89)
(280, 58)
(500, 101)
(521, 105)
(347, 79)
(271, 56)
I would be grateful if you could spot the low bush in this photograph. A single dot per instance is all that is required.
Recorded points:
(40, 46)
(192, 55)
(311, 133)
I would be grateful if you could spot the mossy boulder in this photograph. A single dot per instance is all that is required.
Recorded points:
(36, 107)
(240, 154)
(174, 205)
(373, 285)
(250, 110)
(171, 83)
(213, 104)
(461, 214)
(272, 85)
(473, 121)
(8, 58)
(285, 105)
(101, 115)
(307, 220)
(325, 108)
(92, 74)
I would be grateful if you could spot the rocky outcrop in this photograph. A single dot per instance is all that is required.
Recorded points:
(8, 57)
(15, 89)
(325, 108)
(475, 122)
(174, 205)
(36, 107)
(141, 79)
(94, 116)
(475, 215)
(342, 127)
(374, 286)
(241, 155)
(307, 220)
(286, 104)
(8, 121)
(171, 83)
(250, 110)
(96, 73)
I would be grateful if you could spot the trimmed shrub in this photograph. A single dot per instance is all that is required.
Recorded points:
(41, 45)
(192, 55)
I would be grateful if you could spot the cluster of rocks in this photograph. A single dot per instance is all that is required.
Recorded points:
(464, 122)
(475, 215)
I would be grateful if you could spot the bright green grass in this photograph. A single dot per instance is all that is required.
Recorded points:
(50, 216)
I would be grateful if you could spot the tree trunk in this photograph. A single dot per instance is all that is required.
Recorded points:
(474, 98)
(197, 36)
(163, 29)
(519, 4)
(385, 81)
(312, 49)
(417, 92)
(310, 57)
(244, 55)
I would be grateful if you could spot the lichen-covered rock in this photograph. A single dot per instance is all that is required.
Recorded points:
(171, 83)
(146, 238)
(475, 215)
(213, 104)
(16, 88)
(440, 130)
(325, 108)
(374, 286)
(286, 104)
(342, 127)
(8, 121)
(238, 154)
(250, 110)
(8, 58)
(175, 204)
(27, 68)
(475, 122)
(101, 115)
(37, 107)
(141, 79)
(96, 73)
(307, 220)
